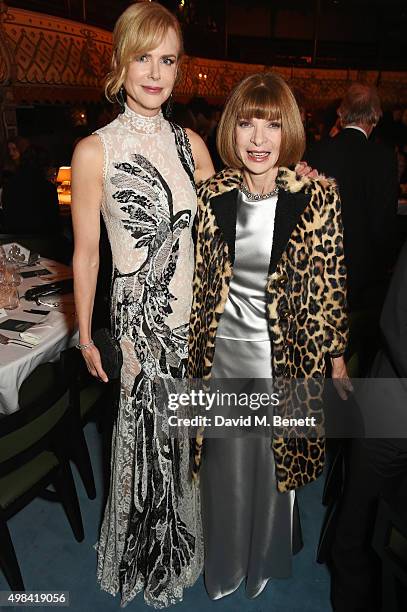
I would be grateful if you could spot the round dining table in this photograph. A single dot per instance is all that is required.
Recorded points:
(53, 329)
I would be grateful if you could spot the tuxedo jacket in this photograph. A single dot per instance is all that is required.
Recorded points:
(366, 175)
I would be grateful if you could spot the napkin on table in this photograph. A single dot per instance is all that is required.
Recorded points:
(38, 332)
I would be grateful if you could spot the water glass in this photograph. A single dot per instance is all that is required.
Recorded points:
(12, 300)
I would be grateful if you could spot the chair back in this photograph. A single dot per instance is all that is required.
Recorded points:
(46, 399)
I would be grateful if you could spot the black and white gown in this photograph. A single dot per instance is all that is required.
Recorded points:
(151, 536)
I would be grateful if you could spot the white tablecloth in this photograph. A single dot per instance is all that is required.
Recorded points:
(17, 362)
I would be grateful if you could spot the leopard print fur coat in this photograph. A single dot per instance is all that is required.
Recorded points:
(306, 298)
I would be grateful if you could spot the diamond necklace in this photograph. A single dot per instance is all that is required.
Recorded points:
(256, 197)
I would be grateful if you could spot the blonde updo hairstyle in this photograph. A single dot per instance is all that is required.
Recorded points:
(138, 30)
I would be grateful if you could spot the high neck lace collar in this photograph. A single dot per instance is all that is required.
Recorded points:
(140, 123)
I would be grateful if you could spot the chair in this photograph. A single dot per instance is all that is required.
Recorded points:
(32, 456)
(36, 388)
(390, 543)
(99, 402)
(93, 396)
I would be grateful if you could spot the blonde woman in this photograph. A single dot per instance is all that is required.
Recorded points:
(269, 303)
(140, 171)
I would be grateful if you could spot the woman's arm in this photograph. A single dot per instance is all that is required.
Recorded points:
(203, 164)
(87, 191)
(331, 255)
(334, 305)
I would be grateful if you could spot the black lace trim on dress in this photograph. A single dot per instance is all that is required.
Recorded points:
(184, 151)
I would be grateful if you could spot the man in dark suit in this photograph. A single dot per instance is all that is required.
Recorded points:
(377, 466)
(366, 173)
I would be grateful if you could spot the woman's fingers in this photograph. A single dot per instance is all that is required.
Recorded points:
(94, 363)
(343, 386)
(300, 167)
(303, 169)
(339, 390)
(340, 378)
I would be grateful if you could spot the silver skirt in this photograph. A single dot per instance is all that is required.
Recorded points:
(250, 528)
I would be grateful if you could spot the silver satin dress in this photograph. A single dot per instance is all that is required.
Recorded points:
(250, 529)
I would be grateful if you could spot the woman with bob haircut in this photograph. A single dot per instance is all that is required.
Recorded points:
(269, 303)
(140, 172)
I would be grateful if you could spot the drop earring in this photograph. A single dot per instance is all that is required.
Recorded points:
(168, 107)
(121, 97)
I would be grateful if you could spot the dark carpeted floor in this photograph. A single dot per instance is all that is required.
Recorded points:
(51, 559)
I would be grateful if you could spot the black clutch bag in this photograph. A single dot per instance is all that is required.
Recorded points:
(110, 352)
(61, 287)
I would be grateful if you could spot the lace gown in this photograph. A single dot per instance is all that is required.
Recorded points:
(151, 533)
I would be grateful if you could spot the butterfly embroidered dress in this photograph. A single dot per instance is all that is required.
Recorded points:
(151, 536)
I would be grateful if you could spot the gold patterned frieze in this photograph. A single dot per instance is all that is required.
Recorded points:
(47, 58)
(54, 52)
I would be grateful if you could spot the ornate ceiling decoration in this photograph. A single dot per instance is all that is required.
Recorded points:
(50, 59)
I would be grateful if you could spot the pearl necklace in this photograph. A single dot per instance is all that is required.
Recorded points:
(257, 197)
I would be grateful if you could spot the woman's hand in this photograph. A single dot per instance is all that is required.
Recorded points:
(303, 169)
(340, 377)
(91, 356)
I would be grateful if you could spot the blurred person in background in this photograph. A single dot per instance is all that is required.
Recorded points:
(377, 466)
(182, 115)
(30, 200)
(15, 147)
(366, 174)
(207, 118)
(202, 111)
